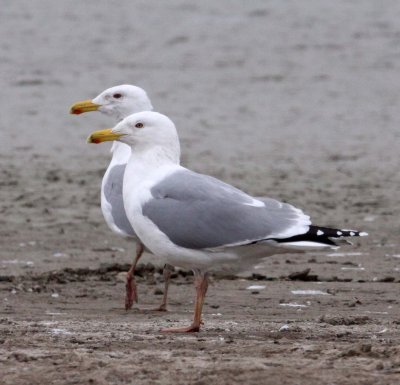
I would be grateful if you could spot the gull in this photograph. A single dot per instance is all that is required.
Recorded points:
(119, 102)
(199, 222)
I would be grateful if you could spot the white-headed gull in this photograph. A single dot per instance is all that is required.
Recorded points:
(196, 221)
(119, 102)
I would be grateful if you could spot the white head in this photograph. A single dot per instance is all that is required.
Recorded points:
(144, 131)
(118, 102)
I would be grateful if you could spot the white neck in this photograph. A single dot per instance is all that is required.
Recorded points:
(146, 167)
(154, 157)
(121, 153)
(146, 162)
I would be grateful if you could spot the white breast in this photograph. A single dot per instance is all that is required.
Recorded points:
(120, 156)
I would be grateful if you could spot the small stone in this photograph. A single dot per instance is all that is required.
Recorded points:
(299, 275)
(150, 267)
(121, 276)
(387, 279)
(284, 328)
(366, 348)
(354, 303)
(258, 277)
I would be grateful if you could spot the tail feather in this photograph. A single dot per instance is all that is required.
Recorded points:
(321, 236)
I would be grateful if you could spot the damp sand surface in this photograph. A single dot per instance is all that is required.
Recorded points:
(296, 101)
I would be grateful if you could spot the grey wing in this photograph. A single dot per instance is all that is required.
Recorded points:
(197, 211)
(113, 194)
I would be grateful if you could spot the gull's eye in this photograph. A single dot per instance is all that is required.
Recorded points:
(117, 96)
(139, 125)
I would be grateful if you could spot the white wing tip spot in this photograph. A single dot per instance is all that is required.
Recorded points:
(352, 234)
(339, 233)
(320, 232)
(363, 234)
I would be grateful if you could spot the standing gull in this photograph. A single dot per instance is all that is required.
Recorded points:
(196, 221)
(120, 102)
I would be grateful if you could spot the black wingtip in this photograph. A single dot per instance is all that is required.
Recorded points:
(324, 235)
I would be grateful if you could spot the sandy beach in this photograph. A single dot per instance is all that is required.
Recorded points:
(298, 101)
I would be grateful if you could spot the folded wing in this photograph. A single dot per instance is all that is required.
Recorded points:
(200, 212)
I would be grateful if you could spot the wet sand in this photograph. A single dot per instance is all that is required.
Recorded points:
(296, 101)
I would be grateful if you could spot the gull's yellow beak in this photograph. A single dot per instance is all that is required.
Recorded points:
(83, 106)
(103, 136)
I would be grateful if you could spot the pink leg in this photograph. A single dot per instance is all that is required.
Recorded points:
(201, 284)
(168, 269)
(130, 286)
